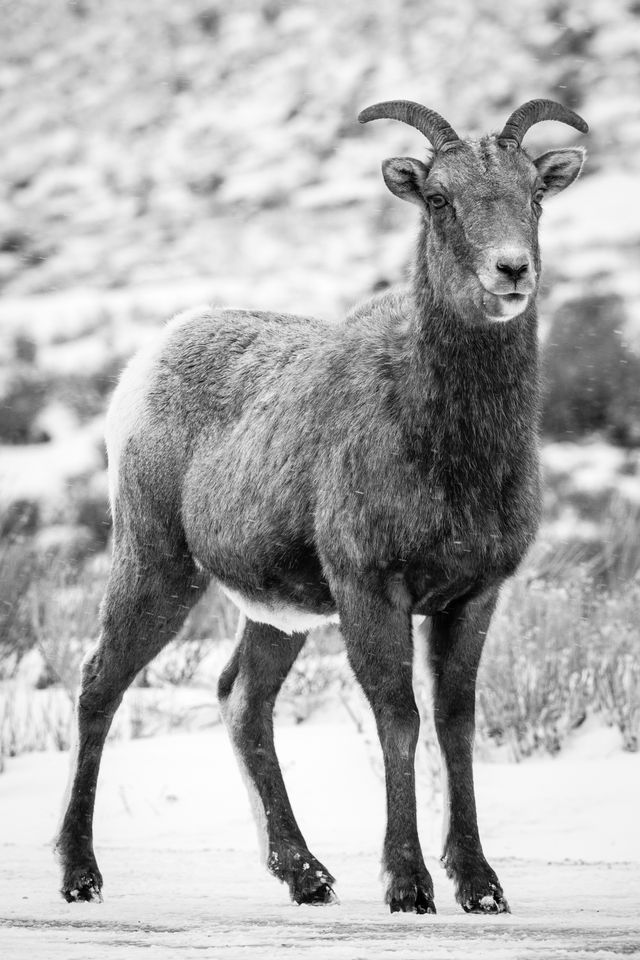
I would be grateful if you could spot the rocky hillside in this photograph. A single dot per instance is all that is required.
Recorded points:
(155, 143)
(158, 154)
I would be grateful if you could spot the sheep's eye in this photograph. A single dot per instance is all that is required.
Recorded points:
(437, 200)
(538, 196)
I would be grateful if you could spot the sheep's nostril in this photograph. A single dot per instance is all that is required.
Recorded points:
(514, 269)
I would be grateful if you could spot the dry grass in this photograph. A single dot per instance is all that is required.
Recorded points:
(33, 720)
(564, 644)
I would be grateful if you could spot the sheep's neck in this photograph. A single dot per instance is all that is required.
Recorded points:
(470, 390)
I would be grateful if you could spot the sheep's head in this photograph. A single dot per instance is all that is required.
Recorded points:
(481, 201)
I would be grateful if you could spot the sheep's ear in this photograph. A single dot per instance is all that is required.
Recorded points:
(559, 168)
(405, 177)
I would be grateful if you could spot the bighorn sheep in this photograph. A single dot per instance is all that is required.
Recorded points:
(368, 470)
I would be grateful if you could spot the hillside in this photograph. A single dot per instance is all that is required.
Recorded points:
(157, 155)
(156, 143)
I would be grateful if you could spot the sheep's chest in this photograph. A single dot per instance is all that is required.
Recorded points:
(461, 546)
(457, 566)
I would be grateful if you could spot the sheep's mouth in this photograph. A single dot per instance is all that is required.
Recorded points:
(514, 298)
(504, 306)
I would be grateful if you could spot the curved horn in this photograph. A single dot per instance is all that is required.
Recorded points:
(533, 111)
(434, 127)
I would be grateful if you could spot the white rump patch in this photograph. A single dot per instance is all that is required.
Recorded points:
(284, 617)
(127, 404)
(126, 409)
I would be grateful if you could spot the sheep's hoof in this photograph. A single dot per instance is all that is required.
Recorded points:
(82, 886)
(478, 889)
(412, 898)
(491, 903)
(308, 880)
(320, 896)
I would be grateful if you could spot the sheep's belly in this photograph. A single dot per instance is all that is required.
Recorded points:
(287, 617)
(284, 616)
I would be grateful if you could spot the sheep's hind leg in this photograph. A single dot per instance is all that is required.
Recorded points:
(144, 607)
(248, 688)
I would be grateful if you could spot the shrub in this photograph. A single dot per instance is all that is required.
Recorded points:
(18, 565)
(536, 679)
(20, 518)
(50, 604)
(23, 396)
(559, 650)
(591, 375)
(64, 604)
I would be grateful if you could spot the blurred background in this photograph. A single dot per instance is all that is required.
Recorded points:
(158, 155)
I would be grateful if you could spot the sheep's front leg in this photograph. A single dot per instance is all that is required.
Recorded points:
(378, 638)
(455, 643)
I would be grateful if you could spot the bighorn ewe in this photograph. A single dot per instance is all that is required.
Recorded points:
(370, 470)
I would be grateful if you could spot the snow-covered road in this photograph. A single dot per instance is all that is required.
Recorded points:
(177, 848)
(214, 903)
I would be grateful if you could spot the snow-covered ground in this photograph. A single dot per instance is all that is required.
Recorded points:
(177, 847)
